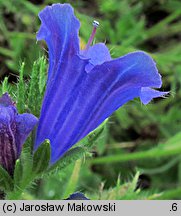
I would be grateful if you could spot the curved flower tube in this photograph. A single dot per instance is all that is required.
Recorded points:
(14, 129)
(84, 87)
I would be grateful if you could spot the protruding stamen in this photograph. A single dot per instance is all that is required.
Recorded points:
(95, 25)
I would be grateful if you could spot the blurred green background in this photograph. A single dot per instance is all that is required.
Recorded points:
(138, 156)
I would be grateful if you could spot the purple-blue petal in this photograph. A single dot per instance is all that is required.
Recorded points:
(59, 28)
(24, 125)
(78, 102)
(147, 94)
(8, 149)
(97, 54)
(104, 90)
(59, 98)
(5, 100)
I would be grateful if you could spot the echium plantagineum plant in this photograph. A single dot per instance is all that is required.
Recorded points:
(84, 87)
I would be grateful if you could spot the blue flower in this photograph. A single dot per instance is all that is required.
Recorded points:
(85, 87)
(14, 129)
(77, 196)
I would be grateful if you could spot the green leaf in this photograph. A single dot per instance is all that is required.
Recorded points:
(21, 90)
(42, 74)
(5, 85)
(6, 182)
(170, 148)
(73, 180)
(41, 157)
(168, 194)
(37, 86)
(134, 182)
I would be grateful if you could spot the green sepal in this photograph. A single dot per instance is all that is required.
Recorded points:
(18, 173)
(71, 156)
(6, 182)
(93, 137)
(41, 158)
(23, 169)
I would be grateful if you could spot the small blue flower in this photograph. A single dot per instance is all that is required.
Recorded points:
(85, 87)
(77, 196)
(14, 129)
